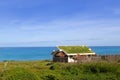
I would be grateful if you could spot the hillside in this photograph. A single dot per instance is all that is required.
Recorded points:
(46, 70)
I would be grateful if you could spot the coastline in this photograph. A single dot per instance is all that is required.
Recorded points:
(43, 53)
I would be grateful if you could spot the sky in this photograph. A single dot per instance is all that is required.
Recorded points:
(59, 22)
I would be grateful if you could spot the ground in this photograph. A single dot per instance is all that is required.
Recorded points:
(47, 70)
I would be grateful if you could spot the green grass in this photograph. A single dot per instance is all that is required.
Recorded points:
(75, 49)
(46, 70)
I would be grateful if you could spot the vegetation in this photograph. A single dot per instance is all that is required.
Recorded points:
(46, 70)
(75, 49)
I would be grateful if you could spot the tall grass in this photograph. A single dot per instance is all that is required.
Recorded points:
(46, 70)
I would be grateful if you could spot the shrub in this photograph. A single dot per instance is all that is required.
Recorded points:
(19, 74)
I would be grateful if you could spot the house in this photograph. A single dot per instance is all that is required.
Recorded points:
(72, 54)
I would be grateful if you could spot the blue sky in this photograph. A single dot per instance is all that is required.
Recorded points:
(59, 22)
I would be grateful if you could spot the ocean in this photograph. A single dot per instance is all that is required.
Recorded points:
(44, 53)
(106, 50)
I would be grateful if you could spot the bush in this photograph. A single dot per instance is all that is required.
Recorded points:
(19, 74)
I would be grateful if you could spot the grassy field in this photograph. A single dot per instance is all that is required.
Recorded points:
(46, 70)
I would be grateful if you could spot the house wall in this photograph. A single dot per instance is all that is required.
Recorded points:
(60, 57)
(71, 60)
(83, 58)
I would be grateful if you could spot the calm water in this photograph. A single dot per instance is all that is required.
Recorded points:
(26, 53)
(106, 50)
(43, 53)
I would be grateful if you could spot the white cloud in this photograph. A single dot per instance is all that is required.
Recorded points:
(31, 28)
(72, 30)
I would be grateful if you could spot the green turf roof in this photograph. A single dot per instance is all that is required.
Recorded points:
(75, 49)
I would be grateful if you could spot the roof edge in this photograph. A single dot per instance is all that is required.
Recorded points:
(81, 53)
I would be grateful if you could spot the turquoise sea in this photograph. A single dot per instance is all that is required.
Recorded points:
(44, 53)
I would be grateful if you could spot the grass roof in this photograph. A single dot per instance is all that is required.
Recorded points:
(75, 49)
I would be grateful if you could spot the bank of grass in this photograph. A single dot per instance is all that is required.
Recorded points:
(47, 70)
